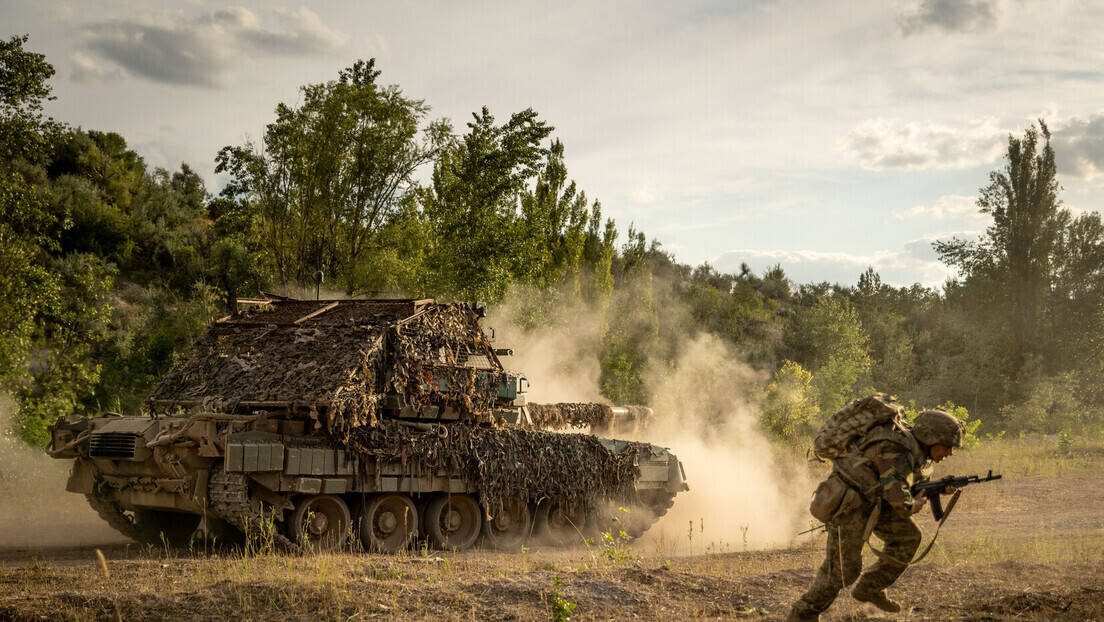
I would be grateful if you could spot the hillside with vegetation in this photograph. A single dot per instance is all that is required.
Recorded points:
(110, 269)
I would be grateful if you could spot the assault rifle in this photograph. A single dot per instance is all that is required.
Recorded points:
(933, 489)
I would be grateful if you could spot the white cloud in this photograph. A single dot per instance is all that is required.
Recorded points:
(916, 262)
(87, 71)
(1079, 146)
(895, 144)
(643, 196)
(208, 49)
(947, 207)
(373, 46)
(301, 32)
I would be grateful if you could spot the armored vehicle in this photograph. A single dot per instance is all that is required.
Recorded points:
(385, 420)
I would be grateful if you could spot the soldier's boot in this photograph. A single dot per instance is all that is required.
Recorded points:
(802, 612)
(877, 598)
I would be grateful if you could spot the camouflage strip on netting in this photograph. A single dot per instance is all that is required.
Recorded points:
(442, 359)
(276, 364)
(570, 415)
(503, 463)
(437, 358)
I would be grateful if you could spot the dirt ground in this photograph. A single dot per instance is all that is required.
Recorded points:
(1029, 547)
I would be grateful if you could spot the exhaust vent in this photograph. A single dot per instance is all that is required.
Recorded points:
(114, 445)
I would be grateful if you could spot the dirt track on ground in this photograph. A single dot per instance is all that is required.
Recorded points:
(1024, 548)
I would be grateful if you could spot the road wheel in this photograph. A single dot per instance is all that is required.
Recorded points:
(453, 521)
(560, 523)
(320, 522)
(509, 527)
(387, 523)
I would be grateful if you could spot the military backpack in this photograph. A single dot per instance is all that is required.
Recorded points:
(842, 432)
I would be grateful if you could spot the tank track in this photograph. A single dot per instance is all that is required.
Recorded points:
(228, 495)
(636, 528)
(114, 516)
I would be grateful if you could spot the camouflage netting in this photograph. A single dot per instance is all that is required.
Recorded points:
(339, 361)
(298, 365)
(599, 417)
(442, 359)
(574, 415)
(545, 465)
(343, 359)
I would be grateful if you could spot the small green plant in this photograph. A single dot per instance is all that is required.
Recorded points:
(561, 606)
(744, 531)
(615, 543)
(615, 548)
(1065, 442)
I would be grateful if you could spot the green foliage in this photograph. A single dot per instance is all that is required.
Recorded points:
(70, 329)
(828, 339)
(556, 231)
(330, 173)
(614, 544)
(472, 208)
(150, 329)
(1017, 252)
(629, 343)
(1054, 404)
(109, 270)
(24, 86)
(561, 605)
(1065, 442)
(789, 407)
(623, 364)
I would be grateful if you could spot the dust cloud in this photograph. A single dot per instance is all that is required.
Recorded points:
(35, 509)
(745, 493)
(561, 363)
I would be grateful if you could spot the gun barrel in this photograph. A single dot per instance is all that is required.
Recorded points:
(951, 481)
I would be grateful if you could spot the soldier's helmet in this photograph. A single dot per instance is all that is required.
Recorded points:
(938, 427)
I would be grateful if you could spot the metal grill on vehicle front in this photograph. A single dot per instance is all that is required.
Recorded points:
(113, 445)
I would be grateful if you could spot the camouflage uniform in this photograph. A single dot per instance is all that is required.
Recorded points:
(898, 461)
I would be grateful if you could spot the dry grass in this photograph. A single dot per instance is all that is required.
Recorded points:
(1028, 547)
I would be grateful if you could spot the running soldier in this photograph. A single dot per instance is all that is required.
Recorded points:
(888, 460)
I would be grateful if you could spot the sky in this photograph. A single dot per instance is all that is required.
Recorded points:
(823, 136)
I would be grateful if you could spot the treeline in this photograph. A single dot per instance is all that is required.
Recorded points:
(110, 269)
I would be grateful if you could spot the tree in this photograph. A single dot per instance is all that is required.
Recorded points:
(556, 227)
(330, 173)
(788, 406)
(24, 86)
(828, 339)
(473, 206)
(882, 311)
(26, 222)
(1017, 250)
